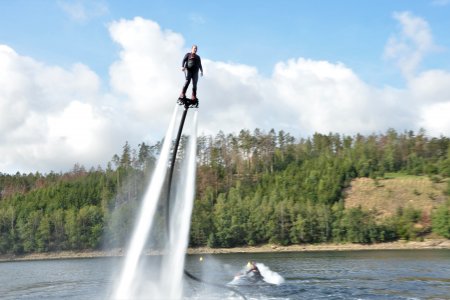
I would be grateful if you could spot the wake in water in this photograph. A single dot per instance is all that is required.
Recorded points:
(269, 275)
(248, 276)
(167, 283)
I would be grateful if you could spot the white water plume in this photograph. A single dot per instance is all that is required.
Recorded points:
(269, 275)
(173, 263)
(147, 212)
(167, 283)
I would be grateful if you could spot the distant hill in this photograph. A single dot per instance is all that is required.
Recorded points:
(395, 190)
(252, 188)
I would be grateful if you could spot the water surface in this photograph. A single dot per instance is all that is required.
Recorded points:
(390, 274)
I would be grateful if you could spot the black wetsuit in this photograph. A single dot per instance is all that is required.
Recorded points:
(254, 274)
(192, 63)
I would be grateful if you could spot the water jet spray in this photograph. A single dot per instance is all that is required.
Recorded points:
(187, 103)
(169, 283)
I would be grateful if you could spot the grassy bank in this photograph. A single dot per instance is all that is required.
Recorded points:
(395, 191)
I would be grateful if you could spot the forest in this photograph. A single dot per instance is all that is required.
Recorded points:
(251, 188)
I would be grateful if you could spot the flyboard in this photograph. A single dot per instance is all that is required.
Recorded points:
(187, 103)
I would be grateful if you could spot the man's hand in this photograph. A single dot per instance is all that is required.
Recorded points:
(201, 73)
(183, 68)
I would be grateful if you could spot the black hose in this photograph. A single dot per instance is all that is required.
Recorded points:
(214, 284)
(172, 167)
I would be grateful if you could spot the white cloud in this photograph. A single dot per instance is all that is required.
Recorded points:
(325, 97)
(440, 2)
(51, 118)
(408, 47)
(83, 10)
(148, 69)
(197, 19)
(435, 118)
(430, 92)
(431, 87)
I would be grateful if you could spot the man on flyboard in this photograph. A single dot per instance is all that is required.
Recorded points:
(191, 64)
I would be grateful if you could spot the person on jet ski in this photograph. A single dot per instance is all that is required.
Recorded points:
(253, 272)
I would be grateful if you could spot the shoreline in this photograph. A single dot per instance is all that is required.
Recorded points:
(432, 244)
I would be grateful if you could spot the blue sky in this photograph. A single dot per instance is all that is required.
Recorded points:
(341, 66)
(257, 33)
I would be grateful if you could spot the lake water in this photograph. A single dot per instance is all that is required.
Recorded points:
(412, 274)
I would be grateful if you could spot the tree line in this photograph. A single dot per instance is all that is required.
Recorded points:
(251, 188)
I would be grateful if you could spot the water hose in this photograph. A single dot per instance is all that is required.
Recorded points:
(169, 185)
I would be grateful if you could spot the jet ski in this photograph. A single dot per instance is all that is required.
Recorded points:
(250, 275)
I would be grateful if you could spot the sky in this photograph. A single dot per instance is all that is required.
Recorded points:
(80, 78)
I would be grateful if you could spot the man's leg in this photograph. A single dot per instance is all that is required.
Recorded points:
(186, 84)
(194, 85)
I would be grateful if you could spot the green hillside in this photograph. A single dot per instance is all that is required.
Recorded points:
(252, 188)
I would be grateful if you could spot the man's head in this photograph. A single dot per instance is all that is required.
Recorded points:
(194, 49)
